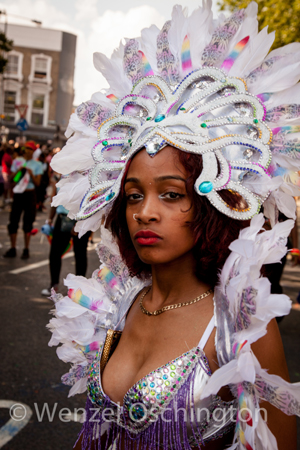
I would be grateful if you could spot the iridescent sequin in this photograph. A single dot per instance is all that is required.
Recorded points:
(154, 390)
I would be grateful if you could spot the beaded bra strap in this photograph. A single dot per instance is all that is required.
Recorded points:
(112, 338)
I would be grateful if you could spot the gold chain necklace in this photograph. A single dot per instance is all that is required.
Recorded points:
(169, 307)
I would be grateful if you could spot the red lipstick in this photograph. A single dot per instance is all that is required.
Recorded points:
(146, 237)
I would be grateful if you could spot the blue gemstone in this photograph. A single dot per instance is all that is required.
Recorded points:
(165, 377)
(152, 385)
(109, 196)
(159, 118)
(138, 413)
(206, 187)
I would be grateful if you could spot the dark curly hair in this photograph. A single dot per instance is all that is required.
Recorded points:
(213, 231)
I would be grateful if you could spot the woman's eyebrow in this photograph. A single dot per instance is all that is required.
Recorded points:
(132, 180)
(169, 177)
(162, 178)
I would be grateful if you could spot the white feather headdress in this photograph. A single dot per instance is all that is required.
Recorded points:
(207, 87)
(200, 85)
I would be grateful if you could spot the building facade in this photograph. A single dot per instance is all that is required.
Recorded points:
(39, 74)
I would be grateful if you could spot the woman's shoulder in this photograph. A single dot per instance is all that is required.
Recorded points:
(248, 345)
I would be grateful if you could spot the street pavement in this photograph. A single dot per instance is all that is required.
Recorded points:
(31, 371)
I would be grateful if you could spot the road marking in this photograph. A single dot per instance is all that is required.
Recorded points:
(36, 265)
(20, 415)
(44, 262)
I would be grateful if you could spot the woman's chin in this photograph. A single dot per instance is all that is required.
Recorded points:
(153, 258)
(150, 256)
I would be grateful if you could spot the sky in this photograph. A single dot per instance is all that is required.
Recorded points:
(98, 28)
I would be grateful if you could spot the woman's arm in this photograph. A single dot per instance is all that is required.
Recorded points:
(269, 351)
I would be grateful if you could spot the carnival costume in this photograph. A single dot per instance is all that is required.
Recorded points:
(207, 87)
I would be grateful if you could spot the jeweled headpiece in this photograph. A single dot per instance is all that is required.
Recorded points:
(203, 88)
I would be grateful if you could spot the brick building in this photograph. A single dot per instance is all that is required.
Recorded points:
(39, 73)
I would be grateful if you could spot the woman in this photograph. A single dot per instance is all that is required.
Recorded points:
(179, 168)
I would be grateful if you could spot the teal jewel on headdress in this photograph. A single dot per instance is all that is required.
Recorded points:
(109, 196)
(206, 187)
(159, 118)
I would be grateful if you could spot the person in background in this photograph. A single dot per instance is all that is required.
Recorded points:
(26, 172)
(37, 153)
(62, 233)
(16, 153)
(6, 171)
(41, 190)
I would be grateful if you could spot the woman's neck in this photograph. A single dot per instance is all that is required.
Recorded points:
(175, 282)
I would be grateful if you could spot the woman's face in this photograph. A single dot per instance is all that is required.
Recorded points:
(158, 209)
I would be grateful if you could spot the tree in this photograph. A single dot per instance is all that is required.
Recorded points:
(282, 16)
(6, 46)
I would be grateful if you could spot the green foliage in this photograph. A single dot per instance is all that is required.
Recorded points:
(6, 46)
(282, 16)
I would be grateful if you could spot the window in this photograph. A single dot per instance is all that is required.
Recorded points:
(40, 71)
(12, 67)
(37, 114)
(9, 105)
(40, 68)
(38, 103)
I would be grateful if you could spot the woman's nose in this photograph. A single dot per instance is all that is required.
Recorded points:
(149, 210)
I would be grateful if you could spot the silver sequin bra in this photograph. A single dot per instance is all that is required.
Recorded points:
(162, 391)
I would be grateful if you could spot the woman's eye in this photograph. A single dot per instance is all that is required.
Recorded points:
(132, 197)
(172, 195)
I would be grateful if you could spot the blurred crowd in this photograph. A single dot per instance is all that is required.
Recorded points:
(25, 177)
(12, 154)
(26, 182)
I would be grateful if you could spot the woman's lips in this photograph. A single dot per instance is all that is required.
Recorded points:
(146, 237)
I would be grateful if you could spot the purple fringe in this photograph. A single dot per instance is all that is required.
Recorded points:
(167, 433)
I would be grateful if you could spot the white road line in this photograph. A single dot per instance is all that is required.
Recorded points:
(36, 265)
(29, 267)
(44, 262)
(19, 417)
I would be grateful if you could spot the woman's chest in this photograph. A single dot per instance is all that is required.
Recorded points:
(146, 399)
(163, 395)
(141, 350)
